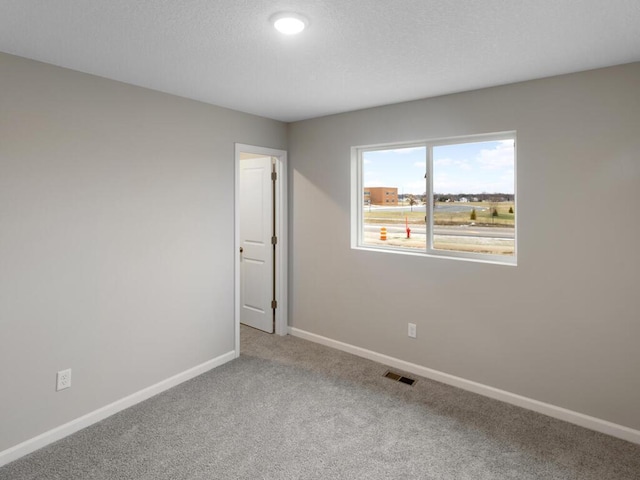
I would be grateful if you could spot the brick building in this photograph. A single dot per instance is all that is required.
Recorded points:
(381, 196)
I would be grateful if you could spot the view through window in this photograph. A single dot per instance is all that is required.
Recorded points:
(441, 197)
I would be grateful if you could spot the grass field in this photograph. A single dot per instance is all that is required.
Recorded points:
(441, 217)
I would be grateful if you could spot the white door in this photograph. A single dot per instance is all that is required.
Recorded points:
(256, 249)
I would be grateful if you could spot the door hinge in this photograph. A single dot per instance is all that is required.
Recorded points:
(274, 176)
(274, 240)
(274, 304)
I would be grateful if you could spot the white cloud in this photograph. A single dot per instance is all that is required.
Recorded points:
(508, 176)
(447, 162)
(443, 162)
(421, 164)
(499, 157)
(374, 183)
(417, 187)
(446, 185)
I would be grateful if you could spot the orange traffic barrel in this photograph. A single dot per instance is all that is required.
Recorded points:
(383, 233)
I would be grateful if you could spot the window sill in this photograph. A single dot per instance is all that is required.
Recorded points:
(447, 255)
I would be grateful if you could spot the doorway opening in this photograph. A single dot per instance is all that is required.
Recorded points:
(260, 239)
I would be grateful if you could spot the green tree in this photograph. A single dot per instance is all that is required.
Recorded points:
(510, 209)
(473, 214)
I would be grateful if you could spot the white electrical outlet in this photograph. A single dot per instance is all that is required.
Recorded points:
(63, 379)
(412, 330)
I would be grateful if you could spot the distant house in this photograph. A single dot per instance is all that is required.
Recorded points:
(464, 200)
(381, 196)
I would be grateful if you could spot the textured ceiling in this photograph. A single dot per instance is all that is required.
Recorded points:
(355, 53)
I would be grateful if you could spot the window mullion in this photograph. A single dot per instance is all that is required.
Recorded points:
(360, 187)
(429, 206)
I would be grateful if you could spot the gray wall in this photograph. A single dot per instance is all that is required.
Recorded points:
(116, 239)
(563, 326)
(116, 242)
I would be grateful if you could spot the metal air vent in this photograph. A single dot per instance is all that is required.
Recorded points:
(399, 378)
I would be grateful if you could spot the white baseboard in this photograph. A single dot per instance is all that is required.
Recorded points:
(73, 426)
(560, 413)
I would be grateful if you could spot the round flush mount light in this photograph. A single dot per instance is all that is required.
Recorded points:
(289, 23)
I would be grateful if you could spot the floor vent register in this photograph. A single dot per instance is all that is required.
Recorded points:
(399, 378)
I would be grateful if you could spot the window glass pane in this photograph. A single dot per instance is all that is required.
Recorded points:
(474, 197)
(394, 194)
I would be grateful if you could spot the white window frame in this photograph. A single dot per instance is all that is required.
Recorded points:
(357, 199)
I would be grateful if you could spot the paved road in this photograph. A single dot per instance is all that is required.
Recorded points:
(459, 231)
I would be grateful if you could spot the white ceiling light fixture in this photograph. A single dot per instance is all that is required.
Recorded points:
(289, 23)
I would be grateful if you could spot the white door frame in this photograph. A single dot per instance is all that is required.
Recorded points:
(281, 232)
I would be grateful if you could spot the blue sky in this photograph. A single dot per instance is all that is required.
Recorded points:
(460, 168)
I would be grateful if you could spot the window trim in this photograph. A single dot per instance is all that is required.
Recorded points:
(357, 199)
